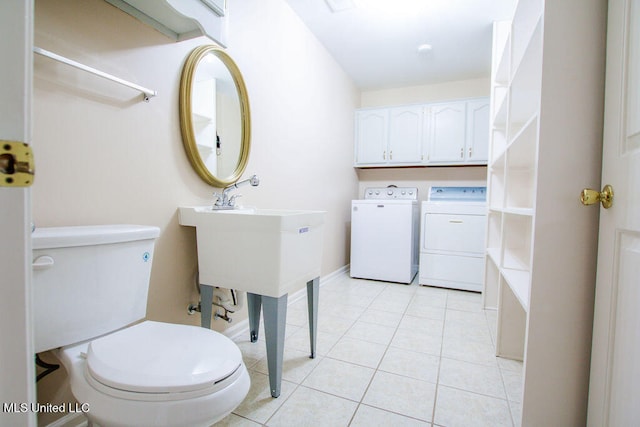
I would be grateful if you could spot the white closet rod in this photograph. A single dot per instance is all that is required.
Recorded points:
(148, 93)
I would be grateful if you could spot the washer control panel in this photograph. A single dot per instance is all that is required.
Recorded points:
(391, 193)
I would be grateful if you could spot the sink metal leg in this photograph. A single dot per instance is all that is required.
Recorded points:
(275, 315)
(206, 305)
(313, 289)
(254, 303)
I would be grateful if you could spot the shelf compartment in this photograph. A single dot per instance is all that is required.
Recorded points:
(525, 88)
(501, 57)
(519, 190)
(494, 233)
(491, 284)
(500, 105)
(523, 144)
(512, 324)
(496, 185)
(519, 281)
(498, 144)
(516, 243)
(526, 19)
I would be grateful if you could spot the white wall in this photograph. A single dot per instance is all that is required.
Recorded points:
(426, 93)
(106, 157)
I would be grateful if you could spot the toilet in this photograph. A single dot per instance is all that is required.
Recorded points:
(90, 287)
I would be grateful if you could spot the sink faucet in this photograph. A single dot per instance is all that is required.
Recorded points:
(223, 201)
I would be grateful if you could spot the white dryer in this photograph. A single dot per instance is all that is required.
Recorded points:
(452, 243)
(384, 234)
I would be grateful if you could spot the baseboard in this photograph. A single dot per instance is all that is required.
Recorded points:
(242, 328)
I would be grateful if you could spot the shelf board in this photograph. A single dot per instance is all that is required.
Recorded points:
(519, 282)
(518, 211)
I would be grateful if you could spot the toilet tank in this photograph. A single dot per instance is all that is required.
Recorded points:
(89, 280)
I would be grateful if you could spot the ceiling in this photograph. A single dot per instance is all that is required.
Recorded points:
(376, 41)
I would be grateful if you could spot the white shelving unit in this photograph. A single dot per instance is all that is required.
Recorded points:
(545, 117)
(515, 108)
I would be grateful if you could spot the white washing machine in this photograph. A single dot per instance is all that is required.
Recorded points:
(384, 234)
(452, 242)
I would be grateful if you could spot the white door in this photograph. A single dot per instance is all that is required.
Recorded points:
(17, 379)
(615, 364)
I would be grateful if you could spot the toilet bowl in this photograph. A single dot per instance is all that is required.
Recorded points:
(157, 374)
(89, 285)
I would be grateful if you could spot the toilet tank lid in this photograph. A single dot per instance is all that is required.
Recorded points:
(87, 235)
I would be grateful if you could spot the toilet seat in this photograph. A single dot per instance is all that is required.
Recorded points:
(118, 407)
(161, 361)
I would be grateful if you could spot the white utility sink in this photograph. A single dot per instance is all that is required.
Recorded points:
(262, 251)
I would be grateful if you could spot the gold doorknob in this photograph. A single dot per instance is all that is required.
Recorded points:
(591, 197)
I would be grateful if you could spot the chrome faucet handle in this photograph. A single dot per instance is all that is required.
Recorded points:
(232, 199)
(219, 199)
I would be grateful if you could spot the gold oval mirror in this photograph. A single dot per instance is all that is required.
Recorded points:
(215, 121)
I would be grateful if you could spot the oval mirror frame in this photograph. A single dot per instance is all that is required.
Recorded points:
(186, 120)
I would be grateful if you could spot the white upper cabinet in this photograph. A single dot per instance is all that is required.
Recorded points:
(447, 131)
(405, 135)
(371, 136)
(477, 146)
(451, 133)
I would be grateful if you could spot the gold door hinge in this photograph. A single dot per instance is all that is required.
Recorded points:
(16, 164)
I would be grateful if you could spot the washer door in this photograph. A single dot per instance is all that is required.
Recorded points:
(382, 242)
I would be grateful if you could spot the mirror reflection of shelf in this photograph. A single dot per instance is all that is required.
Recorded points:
(201, 119)
(204, 99)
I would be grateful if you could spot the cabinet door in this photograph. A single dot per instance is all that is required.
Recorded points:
(371, 136)
(447, 132)
(477, 150)
(405, 135)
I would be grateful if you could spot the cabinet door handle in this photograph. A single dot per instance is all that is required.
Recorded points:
(470, 152)
(391, 155)
(462, 153)
(455, 221)
(384, 155)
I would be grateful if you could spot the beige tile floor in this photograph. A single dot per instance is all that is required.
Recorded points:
(388, 354)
